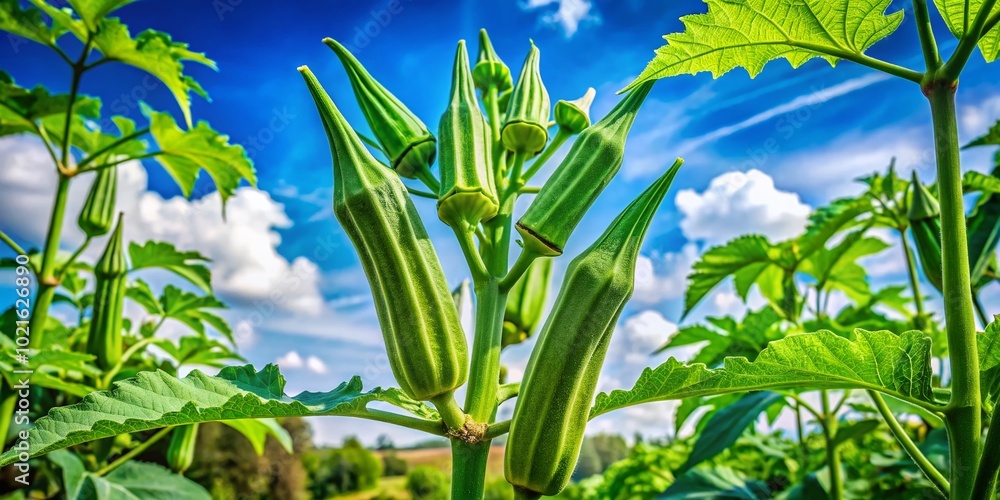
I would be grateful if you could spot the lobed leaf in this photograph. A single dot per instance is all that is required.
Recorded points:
(898, 365)
(747, 255)
(959, 15)
(750, 33)
(186, 264)
(727, 425)
(156, 399)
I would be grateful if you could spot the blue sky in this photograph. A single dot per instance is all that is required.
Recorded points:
(759, 153)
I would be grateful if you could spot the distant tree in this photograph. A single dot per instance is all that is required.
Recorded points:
(384, 442)
(392, 465)
(589, 463)
(427, 483)
(347, 469)
(610, 448)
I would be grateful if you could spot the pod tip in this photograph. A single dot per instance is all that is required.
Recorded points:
(303, 68)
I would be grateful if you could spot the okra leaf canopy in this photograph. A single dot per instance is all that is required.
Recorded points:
(132, 481)
(959, 13)
(898, 365)
(154, 400)
(750, 33)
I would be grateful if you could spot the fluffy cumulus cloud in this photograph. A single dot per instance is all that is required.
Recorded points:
(246, 267)
(663, 277)
(738, 203)
(292, 360)
(640, 335)
(568, 14)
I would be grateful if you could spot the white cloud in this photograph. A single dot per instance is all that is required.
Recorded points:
(290, 361)
(568, 15)
(246, 266)
(316, 365)
(979, 118)
(663, 277)
(640, 335)
(738, 203)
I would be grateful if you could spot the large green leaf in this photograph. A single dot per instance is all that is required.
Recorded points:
(21, 108)
(153, 400)
(26, 23)
(959, 15)
(750, 33)
(257, 432)
(186, 264)
(989, 346)
(992, 137)
(185, 153)
(746, 255)
(898, 365)
(718, 483)
(727, 425)
(131, 481)
(91, 11)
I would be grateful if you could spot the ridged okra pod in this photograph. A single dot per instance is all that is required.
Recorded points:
(403, 137)
(180, 452)
(490, 70)
(527, 127)
(925, 226)
(467, 194)
(526, 302)
(587, 169)
(98, 211)
(420, 325)
(556, 394)
(104, 340)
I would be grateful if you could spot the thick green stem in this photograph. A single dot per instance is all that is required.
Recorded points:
(962, 417)
(451, 413)
(8, 400)
(46, 281)
(926, 34)
(908, 445)
(484, 377)
(468, 469)
(832, 450)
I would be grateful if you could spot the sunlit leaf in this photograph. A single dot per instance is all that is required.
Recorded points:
(899, 365)
(750, 33)
(727, 425)
(959, 15)
(186, 264)
(26, 23)
(257, 431)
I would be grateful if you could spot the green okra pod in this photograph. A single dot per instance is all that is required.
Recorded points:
(420, 325)
(180, 452)
(526, 302)
(574, 116)
(527, 127)
(490, 70)
(587, 169)
(925, 227)
(554, 401)
(467, 193)
(98, 211)
(104, 340)
(404, 138)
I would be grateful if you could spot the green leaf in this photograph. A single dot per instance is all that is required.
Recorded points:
(73, 472)
(727, 425)
(257, 431)
(141, 294)
(21, 108)
(185, 153)
(199, 351)
(719, 483)
(92, 11)
(141, 481)
(989, 346)
(718, 263)
(992, 138)
(959, 15)
(26, 23)
(186, 264)
(855, 430)
(898, 365)
(155, 53)
(154, 400)
(750, 33)
(974, 181)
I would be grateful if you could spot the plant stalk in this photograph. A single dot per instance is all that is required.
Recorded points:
(962, 417)
(986, 477)
(911, 268)
(468, 469)
(909, 447)
(8, 400)
(135, 451)
(46, 280)
(832, 449)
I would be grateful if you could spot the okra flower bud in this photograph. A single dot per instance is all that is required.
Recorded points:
(925, 226)
(574, 116)
(557, 392)
(99, 210)
(420, 325)
(404, 138)
(489, 69)
(105, 337)
(527, 127)
(180, 453)
(587, 169)
(467, 192)
(526, 302)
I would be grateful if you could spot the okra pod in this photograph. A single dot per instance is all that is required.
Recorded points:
(104, 340)
(180, 452)
(98, 211)
(419, 322)
(925, 226)
(404, 138)
(526, 302)
(587, 169)
(490, 70)
(467, 192)
(574, 116)
(554, 402)
(527, 127)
